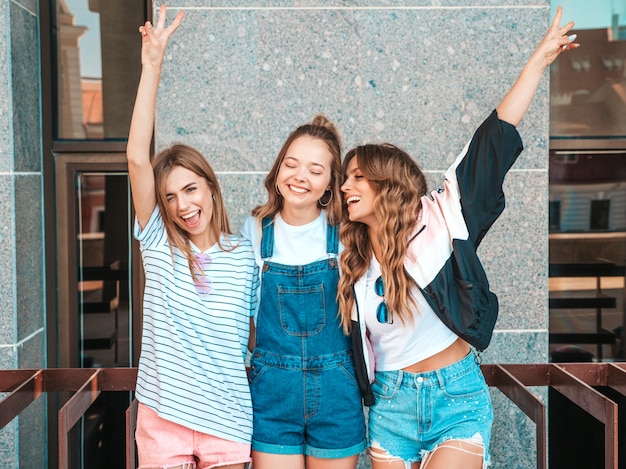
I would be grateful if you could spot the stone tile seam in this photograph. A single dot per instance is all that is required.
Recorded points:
(239, 173)
(425, 171)
(24, 340)
(20, 173)
(23, 7)
(364, 8)
(512, 170)
(263, 173)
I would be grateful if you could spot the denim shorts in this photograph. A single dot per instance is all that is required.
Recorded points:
(416, 412)
(314, 411)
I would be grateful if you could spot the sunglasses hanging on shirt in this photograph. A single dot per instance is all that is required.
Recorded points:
(382, 312)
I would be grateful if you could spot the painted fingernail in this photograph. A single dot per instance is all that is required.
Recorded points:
(572, 37)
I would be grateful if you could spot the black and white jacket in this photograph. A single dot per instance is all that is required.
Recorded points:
(441, 256)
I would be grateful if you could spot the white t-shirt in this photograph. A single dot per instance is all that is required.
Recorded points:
(191, 368)
(293, 245)
(398, 345)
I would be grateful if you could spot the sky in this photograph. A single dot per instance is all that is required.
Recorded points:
(586, 14)
(90, 59)
(589, 14)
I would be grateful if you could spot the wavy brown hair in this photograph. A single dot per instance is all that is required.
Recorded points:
(189, 158)
(399, 185)
(321, 128)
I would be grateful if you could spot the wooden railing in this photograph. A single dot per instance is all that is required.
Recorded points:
(575, 381)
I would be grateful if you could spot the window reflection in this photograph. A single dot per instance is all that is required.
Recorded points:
(588, 87)
(587, 191)
(587, 207)
(98, 59)
(103, 256)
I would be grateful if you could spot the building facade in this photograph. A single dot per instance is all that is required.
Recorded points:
(238, 77)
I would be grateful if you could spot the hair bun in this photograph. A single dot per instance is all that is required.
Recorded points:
(320, 120)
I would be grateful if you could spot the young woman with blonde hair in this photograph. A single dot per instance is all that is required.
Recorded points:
(195, 408)
(307, 406)
(414, 293)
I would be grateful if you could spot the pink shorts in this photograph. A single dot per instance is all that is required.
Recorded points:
(161, 444)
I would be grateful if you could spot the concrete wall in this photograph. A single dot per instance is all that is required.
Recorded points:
(22, 336)
(241, 74)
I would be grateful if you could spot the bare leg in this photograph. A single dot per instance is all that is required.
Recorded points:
(455, 454)
(381, 459)
(277, 461)
(340, 463)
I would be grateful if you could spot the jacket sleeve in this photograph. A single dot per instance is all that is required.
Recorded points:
(479, 173)
(360, 368)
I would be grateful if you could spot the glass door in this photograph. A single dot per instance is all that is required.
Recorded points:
(98, 320)
(103, 253)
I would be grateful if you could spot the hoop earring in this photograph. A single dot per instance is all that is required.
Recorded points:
(277, 189)
(329, 199)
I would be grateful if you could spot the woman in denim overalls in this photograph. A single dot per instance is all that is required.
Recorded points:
(306, 402)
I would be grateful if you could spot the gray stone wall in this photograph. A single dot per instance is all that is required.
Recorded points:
(241, 74)
(22, 335)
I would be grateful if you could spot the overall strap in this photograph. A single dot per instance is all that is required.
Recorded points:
(267, 237)
(332, 239)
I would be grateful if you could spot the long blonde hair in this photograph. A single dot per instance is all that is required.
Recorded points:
(399, 185)
(189, 158)
(321, 128)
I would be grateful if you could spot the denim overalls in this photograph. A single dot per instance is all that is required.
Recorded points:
(304, 392)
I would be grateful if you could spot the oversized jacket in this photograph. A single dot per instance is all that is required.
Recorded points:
(441, 255)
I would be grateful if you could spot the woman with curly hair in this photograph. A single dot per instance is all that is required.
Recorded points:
(413, 292)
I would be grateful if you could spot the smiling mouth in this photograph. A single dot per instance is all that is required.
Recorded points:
(352, 200)
(191, 219)
(298, 190)
(189, 215)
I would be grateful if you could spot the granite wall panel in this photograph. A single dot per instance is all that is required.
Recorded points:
(23, 443)
(239, 76)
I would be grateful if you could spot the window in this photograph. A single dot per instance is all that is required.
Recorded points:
(98, 67)
(599, 215)
(587, 163)
(587, 88)
(91, 65)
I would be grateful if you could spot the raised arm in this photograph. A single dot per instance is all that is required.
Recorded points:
(153, 44)
(517, 101)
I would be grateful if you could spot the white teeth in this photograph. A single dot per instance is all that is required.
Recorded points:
(353, 199)
(192, 214)
(299, 190)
